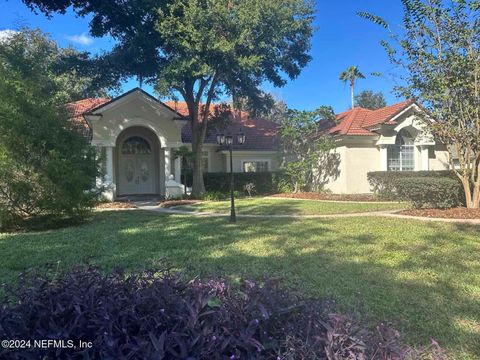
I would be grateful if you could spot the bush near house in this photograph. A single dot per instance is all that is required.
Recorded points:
(438, 193)
(265, 182)
(383, 183)
(156, 314)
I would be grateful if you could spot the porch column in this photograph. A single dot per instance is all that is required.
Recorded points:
(383, 158)
(109, 192)
(424, 156)
(178, 169)
(168, 156)
(109, 164)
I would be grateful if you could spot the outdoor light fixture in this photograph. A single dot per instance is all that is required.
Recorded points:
(220, 139)
(228, 141)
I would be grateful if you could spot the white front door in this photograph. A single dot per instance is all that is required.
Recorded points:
(136, 167)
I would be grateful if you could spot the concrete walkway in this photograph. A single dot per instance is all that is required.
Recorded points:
(384, 213)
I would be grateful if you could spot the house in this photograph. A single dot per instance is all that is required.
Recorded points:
(393, 138)
(137, 136)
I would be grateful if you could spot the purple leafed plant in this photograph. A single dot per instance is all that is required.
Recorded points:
(158, 315)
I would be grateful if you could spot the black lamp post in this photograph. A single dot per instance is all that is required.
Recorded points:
(228, 141)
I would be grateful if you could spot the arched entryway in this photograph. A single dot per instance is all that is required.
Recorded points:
(137, 162)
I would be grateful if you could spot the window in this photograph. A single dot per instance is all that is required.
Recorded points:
(255, 166)
(136, 145)
(401, 156)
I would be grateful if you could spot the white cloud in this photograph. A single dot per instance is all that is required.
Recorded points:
(82, 39)
(6, 34)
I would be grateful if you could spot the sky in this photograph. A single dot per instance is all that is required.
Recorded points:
(341, 39)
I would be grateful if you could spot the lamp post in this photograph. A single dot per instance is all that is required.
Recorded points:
(228, 141)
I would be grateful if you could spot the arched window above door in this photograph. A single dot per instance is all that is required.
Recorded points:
(401, 156)
(136, 145)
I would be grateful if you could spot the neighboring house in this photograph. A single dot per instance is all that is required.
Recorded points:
(393, 138)
(137, 136)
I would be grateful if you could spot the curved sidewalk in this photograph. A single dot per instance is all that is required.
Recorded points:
(385, 213)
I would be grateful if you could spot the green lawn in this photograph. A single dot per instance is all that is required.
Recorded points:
(423, 277)
(264, 206)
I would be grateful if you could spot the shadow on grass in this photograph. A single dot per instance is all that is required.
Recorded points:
(422, 277)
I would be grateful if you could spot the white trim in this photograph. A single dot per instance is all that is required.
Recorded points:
(268, 161)
(249, 152)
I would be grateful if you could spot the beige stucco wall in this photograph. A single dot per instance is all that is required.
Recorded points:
(440, 158)
(134, 112)
(357, 158)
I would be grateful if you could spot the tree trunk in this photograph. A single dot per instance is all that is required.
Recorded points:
(352, 92)
(198, 186)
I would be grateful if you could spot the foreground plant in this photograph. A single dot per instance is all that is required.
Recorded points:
(157, 315)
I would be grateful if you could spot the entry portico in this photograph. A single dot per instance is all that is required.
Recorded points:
(137, 136)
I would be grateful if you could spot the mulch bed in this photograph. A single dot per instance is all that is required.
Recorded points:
(116, 205)
(330, 197)
(454, 213)
(172, 203)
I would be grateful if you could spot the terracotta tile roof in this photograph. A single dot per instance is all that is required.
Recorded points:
(260, 134)
(76, 110)
(358, 121)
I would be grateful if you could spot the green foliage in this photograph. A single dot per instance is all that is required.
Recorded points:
(435, 192)
(46, 167)
(367, 99)
(439, 54)
(201, 49)
(384, 183)
(309, 157)
(265, 182)
(67, 74)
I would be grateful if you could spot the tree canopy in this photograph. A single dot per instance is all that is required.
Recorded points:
(367, 99)
(201, 49)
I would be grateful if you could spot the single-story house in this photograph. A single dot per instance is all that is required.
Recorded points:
(137, 136)
(393, 138)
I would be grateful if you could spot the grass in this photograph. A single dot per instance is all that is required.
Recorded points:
(262, 206)
(422, 277)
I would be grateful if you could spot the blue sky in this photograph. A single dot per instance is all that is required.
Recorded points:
(342, 39)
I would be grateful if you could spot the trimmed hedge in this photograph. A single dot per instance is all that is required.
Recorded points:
(435, 192)
(383, 183)
(265, 182)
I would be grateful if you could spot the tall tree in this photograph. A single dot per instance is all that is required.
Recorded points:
(350, 76)
(202, 48)
(367, 99)
(439, 53)
(46, 167)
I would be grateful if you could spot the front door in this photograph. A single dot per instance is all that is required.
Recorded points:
(136, 167)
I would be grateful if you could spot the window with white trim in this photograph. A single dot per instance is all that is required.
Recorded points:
(255, 166)
(401, 156)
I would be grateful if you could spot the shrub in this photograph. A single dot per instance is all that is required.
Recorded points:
(157, 315)
(383, 182)
(47, 169)
(440, 193)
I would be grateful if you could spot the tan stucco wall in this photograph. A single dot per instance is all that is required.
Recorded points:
(337, 184)
(440, 161)
(361, 159)
(356, 160)
(134, 112)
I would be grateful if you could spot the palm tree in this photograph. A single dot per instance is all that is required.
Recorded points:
(350, 76)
